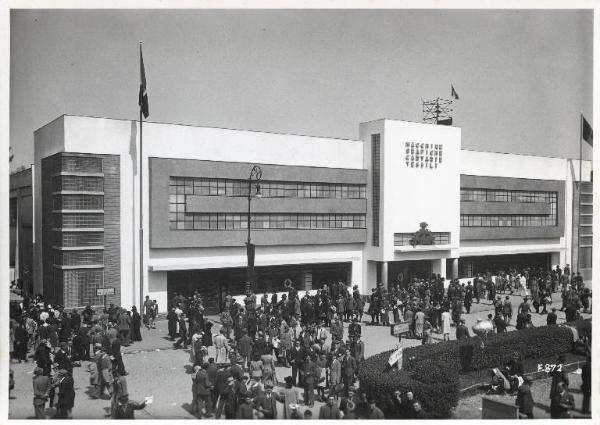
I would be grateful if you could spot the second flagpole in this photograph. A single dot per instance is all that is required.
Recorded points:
(141, 249)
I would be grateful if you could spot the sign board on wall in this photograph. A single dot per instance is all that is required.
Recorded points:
(105, 291)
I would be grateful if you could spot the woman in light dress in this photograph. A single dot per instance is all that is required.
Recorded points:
(419, 322)
(446, 324)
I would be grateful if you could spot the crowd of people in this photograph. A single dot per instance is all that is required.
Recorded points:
(302, 332)
(58, 340)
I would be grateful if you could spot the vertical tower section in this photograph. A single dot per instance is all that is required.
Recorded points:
(81, 242)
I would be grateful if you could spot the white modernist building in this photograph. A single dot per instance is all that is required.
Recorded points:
(330, 209)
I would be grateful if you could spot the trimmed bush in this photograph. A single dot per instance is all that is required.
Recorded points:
(467, 354)
(435, 386)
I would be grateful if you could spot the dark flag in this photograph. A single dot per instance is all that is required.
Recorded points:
(453, 92)
(587, 133)
(143, 96)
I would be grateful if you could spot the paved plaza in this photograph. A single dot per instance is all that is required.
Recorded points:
(156, 369)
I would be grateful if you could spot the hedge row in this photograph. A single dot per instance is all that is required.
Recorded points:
(467, 354)
(434, 385)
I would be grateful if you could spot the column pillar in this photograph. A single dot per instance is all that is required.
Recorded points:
(384, 273)
(454, 268)
(307, 279)
(438, 266)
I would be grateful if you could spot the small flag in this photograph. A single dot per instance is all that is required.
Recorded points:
(453, 92)
(143, 96)
(587, 133)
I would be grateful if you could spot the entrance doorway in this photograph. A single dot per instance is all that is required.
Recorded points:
(402, 272)
(214, 284)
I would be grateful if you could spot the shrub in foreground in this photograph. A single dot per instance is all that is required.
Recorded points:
(434, 385)
(467, 354)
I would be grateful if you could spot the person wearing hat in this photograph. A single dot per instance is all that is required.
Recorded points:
(354, 328)
(228, 402)
(41, 389)
(559, 374)
(561, 403)
(244, 408)
(119, 389)
(66, 394)
(552, 317)
(524, 398)
(125, 408)
(61, 359)
(267, 403)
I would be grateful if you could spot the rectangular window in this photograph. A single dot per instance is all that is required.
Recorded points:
(81, 164)
(375, 176)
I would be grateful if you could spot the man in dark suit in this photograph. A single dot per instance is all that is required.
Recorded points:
(329, 410)
(525, 399)
(562, 402)
(461, 330)
(586, 384)
(348, 371)
(201, 391)
(267, 402)
(310, 377)
(297, 356)
(358, 350)
(552, 317)
(559, 374)
(61, 359)
(115, 351)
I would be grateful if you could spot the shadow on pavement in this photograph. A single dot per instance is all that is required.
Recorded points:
(188, 408)
(542, 406)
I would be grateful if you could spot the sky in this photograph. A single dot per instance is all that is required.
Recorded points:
(523, 77)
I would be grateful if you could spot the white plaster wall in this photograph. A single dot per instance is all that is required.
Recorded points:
(215, 144)
(182, 259)
(418, 194)
(517, 166)
(157, 289)
(121, 137)
(117, 137)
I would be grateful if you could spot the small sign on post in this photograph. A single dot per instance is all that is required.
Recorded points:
(396, 358)
(399, 328)
(104, 292)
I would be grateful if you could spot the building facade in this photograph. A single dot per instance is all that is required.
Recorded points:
(330, 209)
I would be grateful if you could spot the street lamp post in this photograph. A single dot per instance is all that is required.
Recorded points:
(255, 176)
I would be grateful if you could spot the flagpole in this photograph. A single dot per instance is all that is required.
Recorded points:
(579, 188)
(141, 249)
